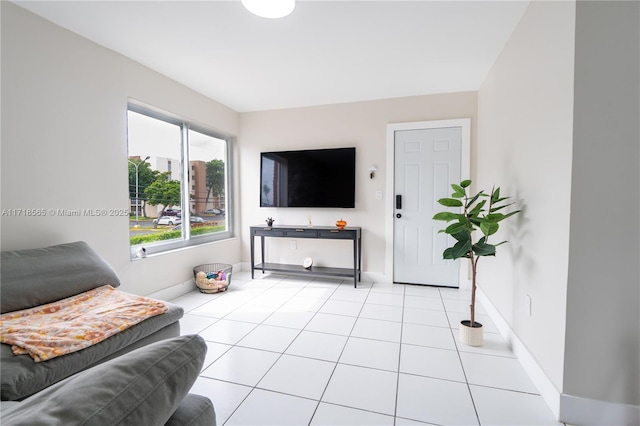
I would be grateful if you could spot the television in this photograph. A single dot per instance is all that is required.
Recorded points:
(308, 178)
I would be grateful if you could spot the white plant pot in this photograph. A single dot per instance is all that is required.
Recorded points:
(471, 336)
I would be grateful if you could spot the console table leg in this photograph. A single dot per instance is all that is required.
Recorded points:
(262, 252)
(359, 258)
(355, 264)
(253, 265)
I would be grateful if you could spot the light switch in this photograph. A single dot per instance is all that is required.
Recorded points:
(378, 195)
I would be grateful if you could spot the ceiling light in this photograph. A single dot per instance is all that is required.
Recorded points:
(270, 8)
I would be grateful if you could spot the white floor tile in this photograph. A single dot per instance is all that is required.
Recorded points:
(496, 371)
(323, 346)
(241, 365)
(193, 299)
(377, 329)
(421, 290)
(371, 353)
(425, 317)
(431, 362)
(244, 293)
(270, 408)
(388, 288)
(362, 285)
(435, 401)
(330, 282)
(298, 376)
(194, 324)
(301, 303)
(226, 397)
(217, 308)
(258, 282)
(293, 282)
(291, 319)
(336, 415)
(455, 293)
(493, 344)
(341, 307)
(225, 331)
(268, 278)
(420, 302)
(391, 299)
(300, 338)
(250, 312)
(406, 422)
(269, 338)
(275, 297)
(382, 312)
(500, 407)
(316, 292)
(237, 297)
(214, 351)
(363, 388)
(426, 335)
(334, 324)
(351, 295)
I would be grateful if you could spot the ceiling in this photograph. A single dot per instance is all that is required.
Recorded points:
(325, 52)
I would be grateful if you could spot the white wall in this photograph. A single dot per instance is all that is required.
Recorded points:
(603, 313)
(64, 102)
(558, 128)
(525, 114)
(359, 124)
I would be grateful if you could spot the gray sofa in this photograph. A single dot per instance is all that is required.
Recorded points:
(145, 387)
(39, 276)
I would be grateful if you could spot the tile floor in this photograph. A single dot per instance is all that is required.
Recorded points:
(287, 350)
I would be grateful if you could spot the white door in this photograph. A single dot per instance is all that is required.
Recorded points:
(427, 162)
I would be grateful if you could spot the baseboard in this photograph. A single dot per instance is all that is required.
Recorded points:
(584, 411)
(550, 394)
(174, 291)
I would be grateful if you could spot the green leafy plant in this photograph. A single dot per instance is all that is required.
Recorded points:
(478, 212)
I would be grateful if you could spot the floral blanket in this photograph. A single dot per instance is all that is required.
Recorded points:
(71, 324)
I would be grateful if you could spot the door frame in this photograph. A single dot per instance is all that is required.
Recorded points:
(465, 172)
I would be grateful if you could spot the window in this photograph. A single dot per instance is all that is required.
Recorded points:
(178, 174)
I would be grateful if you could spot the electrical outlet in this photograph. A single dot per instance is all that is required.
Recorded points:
(293, 245)
(527, 304)
(378, 195)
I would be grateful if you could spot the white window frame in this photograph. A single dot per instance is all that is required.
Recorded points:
(187, 239)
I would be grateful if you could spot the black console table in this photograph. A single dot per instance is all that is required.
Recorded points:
(318, 232)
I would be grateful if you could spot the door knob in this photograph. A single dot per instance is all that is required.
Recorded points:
(398, 215)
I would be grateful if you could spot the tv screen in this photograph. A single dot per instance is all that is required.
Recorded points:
(308, 178)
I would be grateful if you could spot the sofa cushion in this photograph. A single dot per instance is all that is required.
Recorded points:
(143, 387)
(20, 376)
(195, 410)
(38, 276)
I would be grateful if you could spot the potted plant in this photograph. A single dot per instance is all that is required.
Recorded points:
(478, 212)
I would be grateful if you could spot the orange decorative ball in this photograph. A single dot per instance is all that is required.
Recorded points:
(341, 223)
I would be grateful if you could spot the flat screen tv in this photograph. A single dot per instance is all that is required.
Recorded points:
(308, 178)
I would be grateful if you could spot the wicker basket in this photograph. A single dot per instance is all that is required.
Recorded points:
(213, 277)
